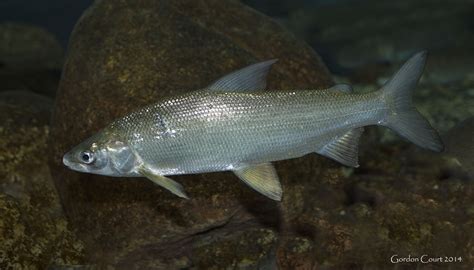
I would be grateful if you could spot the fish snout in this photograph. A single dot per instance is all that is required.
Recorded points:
(68, 161)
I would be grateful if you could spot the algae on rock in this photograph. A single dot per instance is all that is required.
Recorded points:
(33, 230)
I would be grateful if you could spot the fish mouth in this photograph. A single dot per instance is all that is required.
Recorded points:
(66, 160)
(72, 165)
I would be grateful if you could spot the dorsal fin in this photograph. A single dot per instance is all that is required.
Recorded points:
(342, 88)
(345, 148)
(250, 78)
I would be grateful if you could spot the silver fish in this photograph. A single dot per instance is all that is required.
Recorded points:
(233, 125)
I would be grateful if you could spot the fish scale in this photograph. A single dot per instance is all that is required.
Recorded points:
(243, 128)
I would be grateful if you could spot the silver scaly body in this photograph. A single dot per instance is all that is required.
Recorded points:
(205, 131)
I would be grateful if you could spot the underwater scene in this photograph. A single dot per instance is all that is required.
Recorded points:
(226, 134)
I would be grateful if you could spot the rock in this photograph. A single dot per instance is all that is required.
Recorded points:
(276, 8)
(30, 59)
(38, 105)
(123, 56)
(27, 46)
(41, 81)
(33, 230)
(445, 105)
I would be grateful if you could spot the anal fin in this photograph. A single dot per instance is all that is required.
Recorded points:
(345, 148)
(263, 178)
(171, 185)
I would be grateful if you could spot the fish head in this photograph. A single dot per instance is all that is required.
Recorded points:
(104, 154)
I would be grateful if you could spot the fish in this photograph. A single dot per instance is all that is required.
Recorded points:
(234, 124)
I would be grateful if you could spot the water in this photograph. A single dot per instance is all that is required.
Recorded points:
(404, 207)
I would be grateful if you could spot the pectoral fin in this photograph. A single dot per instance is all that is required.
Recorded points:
(171, 185)
(263, 178)
(345, 148)
(250, 78)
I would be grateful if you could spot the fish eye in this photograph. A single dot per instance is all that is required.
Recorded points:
(87, 157)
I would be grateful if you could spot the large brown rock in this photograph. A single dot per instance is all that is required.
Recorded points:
(126, 54)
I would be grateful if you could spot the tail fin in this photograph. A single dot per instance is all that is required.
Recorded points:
(403, 116)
